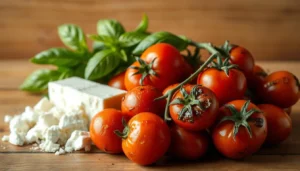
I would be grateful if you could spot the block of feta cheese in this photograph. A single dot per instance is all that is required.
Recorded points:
(76, 91)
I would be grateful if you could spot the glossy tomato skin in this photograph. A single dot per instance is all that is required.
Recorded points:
(188, 145)
(148, 139)
(256, 78)
(242, 146)
(102, 129)
(142, 99)
(170, 87)
(243, 58)
(118, 81)
(167, 65)
(226, 88)
(280, 88)
(279, 123)
(202, 121)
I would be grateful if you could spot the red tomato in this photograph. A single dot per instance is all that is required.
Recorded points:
(288, 110)
(118, 81)
(256, 78)
(141, 99)
(102, 129)
(148, 138)
(170, 87)
(162, 67)
(194, 107)
(280, 88)
(231, 136)
(186, 144)
(279, 123)
(226, 88)
(243, 58)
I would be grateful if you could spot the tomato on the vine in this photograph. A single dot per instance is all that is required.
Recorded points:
(170, 87)
(194, 107)
(142, 99)
(188, 144)
(102, 129)
(118, 81)
(225, 81)
(241, 131)
(160, 65)
(146, 138)
(279, 123)
(280, 88)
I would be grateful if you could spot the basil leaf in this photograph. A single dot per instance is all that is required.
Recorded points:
(129, 39)
(101, 64)
(98, 46)
(111, 28)
(73, 37)
(58, 57)
(161, 37)
(38, 80)
(109, 41)
(143, 26)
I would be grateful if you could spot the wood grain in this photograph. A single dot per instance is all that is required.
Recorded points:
(268, 30)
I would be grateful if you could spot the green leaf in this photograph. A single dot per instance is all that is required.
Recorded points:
(58, 57)
(143, 26)
(73, 37)
(129, 39)
(38, 80)
(101, 64)
(110, 28)
(160, 37)
(98, 46)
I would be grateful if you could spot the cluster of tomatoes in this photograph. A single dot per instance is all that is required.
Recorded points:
(233, 104)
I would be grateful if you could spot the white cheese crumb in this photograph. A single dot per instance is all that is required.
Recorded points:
(52, 133)
(5, 138)
(7, 118)
(46, 120)
(44, 105)
(16, 138)
(18, 125)
(30, 116)
(78, 140)
(60, 152)
(33, 135)
(49, 146)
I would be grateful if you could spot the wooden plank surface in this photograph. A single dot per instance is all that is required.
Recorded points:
(285, 156)
(268, 29)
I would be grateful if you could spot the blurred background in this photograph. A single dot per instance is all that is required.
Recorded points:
(268, 28)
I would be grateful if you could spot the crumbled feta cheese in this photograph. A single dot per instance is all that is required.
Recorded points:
(18, 125)
(5, 138)
(44, 105)
(70, 123)
(78, 140)
(7, 118)
(56, 112)
(16, 138)
(33, 135)
(52, 133)
(49, 146)
(46, 120)
(30, 116)
(60, 152)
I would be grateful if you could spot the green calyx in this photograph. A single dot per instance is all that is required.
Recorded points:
(242, 117)
(124, 134)
(223, 65)
(194, 103)
(225, 49)
(144, 69)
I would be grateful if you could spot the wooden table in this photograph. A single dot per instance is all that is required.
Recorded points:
(12, 101)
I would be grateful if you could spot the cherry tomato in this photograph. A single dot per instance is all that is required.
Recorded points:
(194, 107)
(160, 66)
(118, 81)
(102, 129)
(243, 58)
(256, 78)
(170, 87)
(187, 144)
(142, 99)
(226, 88)
(280, 88)
(241, 132)
(288, 110)
(147, 138)
(279, 123)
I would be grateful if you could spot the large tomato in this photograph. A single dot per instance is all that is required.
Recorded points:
(226, 87)
(242, 129)
(118, 81)
(188, 144)
(279, 123)
(160, 65)
(142, 99)
(102, 129)
(280, 88)
(194, 107)
(146, 138)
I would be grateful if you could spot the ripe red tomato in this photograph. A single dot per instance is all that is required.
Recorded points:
(241, 131)
(288, 110)
(170, 87)
(187, 144)
(141, 99)
(102, 129)
(147, 138)
(280, 88)
(279, 123)
(160, 66)
(243, 58)
(226, 88)
(194, 107)
(118, 81)
(256, 78)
